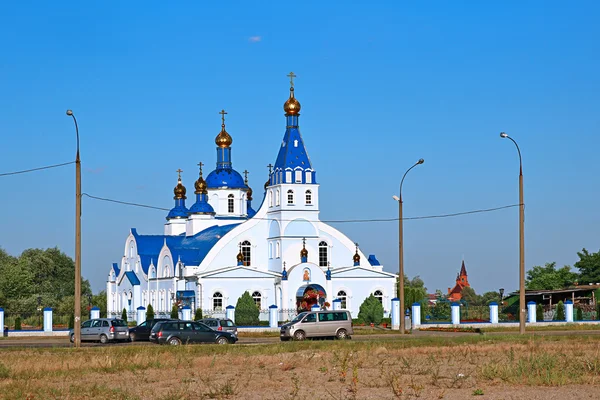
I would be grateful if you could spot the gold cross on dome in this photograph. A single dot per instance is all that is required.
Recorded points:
(291, 75)
(246, 176)
(270, 168)
(179, 171)
(222, 112)
(200, 164)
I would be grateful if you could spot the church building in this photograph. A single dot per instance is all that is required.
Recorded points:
(220, 247)
(462, 281)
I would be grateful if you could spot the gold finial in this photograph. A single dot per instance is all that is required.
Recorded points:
(268, 180)
(223, 139)
(179, 190)
(240, 256)
(356, 257)
(249, 191)
(200, 184)
(246, 177)
(291, 106)
(303, 252)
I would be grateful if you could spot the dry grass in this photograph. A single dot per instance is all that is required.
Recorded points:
(508, 367)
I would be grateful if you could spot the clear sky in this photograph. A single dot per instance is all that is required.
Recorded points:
(382, 84)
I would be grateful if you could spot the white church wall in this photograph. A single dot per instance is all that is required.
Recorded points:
(357, 290)
(218, 199)
(341, 248)
(232, 289)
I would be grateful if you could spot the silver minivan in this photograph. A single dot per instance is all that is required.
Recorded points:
(325, 323)
(103, 330)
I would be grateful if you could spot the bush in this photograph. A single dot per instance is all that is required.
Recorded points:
(371, 310)
(71, 321)
(539, 313)
(124, 315)
(560, 312)
(386, 321)
(18, 324)
(579, 314)
(149, 312)
(440, 311)
(198, 314)
(175, 312)
(246, 312)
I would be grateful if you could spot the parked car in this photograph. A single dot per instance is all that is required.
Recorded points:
(336, 324)
(178, 332)
(219, 324)
(103, 330)
(142, 331)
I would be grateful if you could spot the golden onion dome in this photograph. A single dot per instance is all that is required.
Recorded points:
(356, 257)
(292, 105)
(303, 252)
(249, 193)
(179, 190)
(240, 257)
(223, 139)
(200, 184)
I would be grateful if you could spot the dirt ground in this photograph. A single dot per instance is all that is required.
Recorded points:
(541, 368)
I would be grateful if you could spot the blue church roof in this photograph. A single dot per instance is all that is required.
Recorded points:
(133, 279)
(292, 153)
(373, 260)
(202, 207)
(225, 178)
(191, 250)
(116, 269)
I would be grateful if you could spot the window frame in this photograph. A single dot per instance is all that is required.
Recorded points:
(216, 298)
(230, 204)
(323, 258)
(343, 298)
(290, 197)
(246, 248)
(256, 295)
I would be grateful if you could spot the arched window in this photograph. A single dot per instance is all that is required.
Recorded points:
(270, 198)
(298, 176)
(257, 299)
(230, 204)
(277, 250)
(131, 249)
(270, 249)
(277, 197)
(308, 197)
(378, 295)
(290, 196)
(217, 301)
(165, 271)
(323, 256)
(343, 297)
(246, 252)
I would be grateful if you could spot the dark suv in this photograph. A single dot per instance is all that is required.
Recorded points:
(218, 324)
(142, 331)
(178, 332)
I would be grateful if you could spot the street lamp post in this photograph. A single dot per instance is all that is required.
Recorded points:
(501, 291)
(77, 319)
(522, 307)
(401, 249)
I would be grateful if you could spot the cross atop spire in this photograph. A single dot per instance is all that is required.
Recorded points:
(270, 166)
(291, 75)
(223, 113)
(200, 164)
(179, 171)
(246, 176)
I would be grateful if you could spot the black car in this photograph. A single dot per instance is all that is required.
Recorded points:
(178, 332)
(142, 331)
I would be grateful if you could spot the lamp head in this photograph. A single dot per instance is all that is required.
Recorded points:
(501, 290)
(503, 135)
(421, 161)
(396, 198)
(69, 113)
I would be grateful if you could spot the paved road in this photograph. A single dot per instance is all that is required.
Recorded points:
(64, 342)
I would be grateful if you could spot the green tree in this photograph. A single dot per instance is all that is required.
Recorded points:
(588, 266)
(489, 297)
(371, 311)
(471, 298)
(548, 277)
(579, 314)
(441, 311)
(198, 314)
(414, 291)
(124, 315)
(560, 312)
(18, 324)
(539, 313)
(246, 311)
(149, 312)
(99, 300)
(175, 311)
(72, 321)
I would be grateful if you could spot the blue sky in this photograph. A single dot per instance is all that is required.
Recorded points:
(382, 84)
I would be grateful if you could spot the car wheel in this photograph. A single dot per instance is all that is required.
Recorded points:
(103, 339)
(132, 337)
(174, 341)
(222, 340)
(72, 338)
(299, 335)
(342, 334)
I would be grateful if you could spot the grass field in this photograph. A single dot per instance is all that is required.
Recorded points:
(498, 367)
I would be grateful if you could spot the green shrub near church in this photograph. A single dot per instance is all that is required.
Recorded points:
(560, 312)
(198, 314)
(124, 315)
(539, 313)
(18, 324)
(175, 312)
(579, 314)
(149, 312)
(246, 312)
(371, 311)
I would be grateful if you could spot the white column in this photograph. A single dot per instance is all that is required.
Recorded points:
(285, 305)
(455, 313)
(47, 319)
(531, 312)
(273, 316)
(2, 320)
(315, 307)
(416, 314)
(329, 290)
(230, 313)
(94, 313)
(141, 315)
(109, 303)
(494, 312)
(396, 313)
(186, 313)
(569, 311)
(337, 304)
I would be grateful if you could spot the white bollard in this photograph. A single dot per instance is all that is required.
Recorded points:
(95, 313)
(47, 319)
(273, 322)
(315, 307)
(141, 314)
(230, 313)
(337, 304)
(569, 311)
(186, 313)
(2, 320)
(531, 317)
(416, 314)
(494, 312)
(396, 314)
(455, 307)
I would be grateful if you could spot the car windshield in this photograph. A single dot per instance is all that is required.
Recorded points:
(118, 322)
(299, 317)
(227, 322)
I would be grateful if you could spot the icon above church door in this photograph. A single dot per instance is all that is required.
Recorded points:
(306, 276)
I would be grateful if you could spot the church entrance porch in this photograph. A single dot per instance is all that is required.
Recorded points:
(309, 295)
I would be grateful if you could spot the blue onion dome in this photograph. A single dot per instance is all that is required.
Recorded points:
(202, 207)
(179, 211)
(225, 178)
